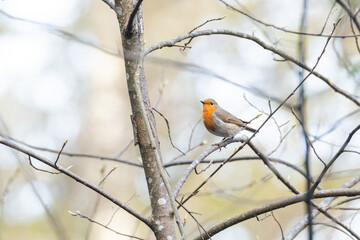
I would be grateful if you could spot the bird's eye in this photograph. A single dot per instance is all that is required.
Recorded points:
(211, 103)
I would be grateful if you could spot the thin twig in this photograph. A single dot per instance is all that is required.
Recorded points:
(192, 216)
(197, 27)
(278, 223)
(204, 169)
(58, 156)
(332, 226)
(267, 163)
(350, 13)
(112, 217)
(334, 158)
(188, 151)
(353, 31)
(125, 148)
(161, 89)
(168, 128)
(107, 175)
(307, 138)
(192, 133)
(336, 124)
(95, 207)
(281, 140)
(39, 169)
(278, 128)
(8, 184)
(327, 18)
(78, 214)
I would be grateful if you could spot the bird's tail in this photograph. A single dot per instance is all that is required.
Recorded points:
(250, 129)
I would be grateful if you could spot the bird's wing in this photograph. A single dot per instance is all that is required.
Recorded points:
(227, 117)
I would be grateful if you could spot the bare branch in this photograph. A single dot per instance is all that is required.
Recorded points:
(294, 190)
(307, 138)
(350, 13)
(72, 175)
(41, 170)
(244, 139)
(196, 161)
(125, 148)
(278, 223)
(197, 27)
(58, 156)
(276, 27)
(327, 18)
(276, 205)
(279, 52)
(336, 124)
(77, 213)
(107, 175)
(272, 168)
(145, 133)
(72, 154)
(8, 185)
(192, 133)
(192, 216)
(339, 152)
(332, 226)
(325, 206)
(168, 128)
(353, 31)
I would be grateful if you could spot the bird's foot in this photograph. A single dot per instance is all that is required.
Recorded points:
(223, 142)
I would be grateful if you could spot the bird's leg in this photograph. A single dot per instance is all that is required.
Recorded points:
(222, 143)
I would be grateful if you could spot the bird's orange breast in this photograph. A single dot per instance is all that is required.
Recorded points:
(208, 118)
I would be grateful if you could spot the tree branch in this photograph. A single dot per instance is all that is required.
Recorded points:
(194, 163)
(326, 205)
(350, 13)
(339, 152)
(275, 205)
(294, 190)
(77, 178)
(279, 52)
(276, 27)
(145, 134)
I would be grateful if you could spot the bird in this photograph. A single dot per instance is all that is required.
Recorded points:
(220, 122)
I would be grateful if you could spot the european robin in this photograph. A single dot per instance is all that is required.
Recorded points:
(220, 122)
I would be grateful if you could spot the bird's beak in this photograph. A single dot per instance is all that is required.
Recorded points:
(202, 102)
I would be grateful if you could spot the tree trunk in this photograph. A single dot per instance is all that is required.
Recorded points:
(143, 121)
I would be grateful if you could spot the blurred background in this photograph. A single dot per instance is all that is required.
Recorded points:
(56, 86)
